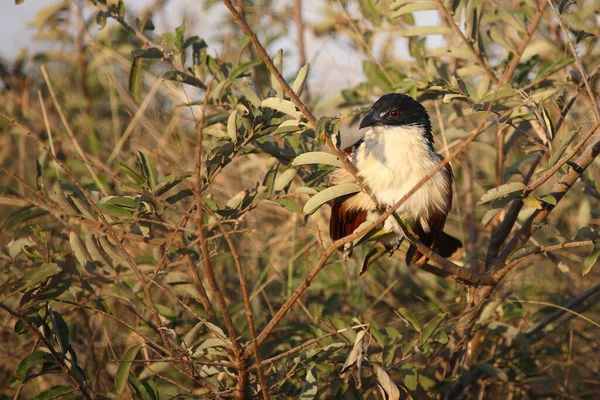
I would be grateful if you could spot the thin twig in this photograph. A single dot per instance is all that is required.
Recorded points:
(246, 298)
(586, 82)
(109, 228)
(65, 123)
(444, 11)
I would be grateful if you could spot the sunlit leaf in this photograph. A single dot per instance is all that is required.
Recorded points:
(502, 191)
(285, 106)
(317, 157)
(408, 317)
(124, 367)
(591, 259)
(330, 193)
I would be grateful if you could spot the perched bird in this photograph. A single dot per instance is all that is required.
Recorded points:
(394, 154)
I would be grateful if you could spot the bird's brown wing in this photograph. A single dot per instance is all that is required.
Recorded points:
(436, 222)
(344, 220)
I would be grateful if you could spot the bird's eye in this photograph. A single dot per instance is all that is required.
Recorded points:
(394, 113)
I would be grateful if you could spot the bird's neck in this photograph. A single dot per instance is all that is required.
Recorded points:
(392, 160)
(399, 144)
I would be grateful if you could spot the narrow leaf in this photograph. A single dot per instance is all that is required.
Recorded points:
(54, 392)
(124, 367)
(30, 361)
(232, 126)
(408, 317)
(330, 193)
(591, 259)
(300, 81)
(285, 106)
(386, 385)
(501, 191)
(309, 391)
(317, 157)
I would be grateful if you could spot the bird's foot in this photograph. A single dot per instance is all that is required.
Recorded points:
(391, 248)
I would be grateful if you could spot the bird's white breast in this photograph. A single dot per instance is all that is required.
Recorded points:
(393, 160)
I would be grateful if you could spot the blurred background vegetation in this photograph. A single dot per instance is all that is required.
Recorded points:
(152, 224)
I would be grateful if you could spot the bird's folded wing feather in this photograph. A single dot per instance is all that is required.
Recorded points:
(436, 221)
(344, 220)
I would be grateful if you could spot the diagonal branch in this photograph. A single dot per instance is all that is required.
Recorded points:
(444, 11)
(312, 120)
(586, 82)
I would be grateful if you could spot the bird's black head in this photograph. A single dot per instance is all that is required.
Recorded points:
(396, 109)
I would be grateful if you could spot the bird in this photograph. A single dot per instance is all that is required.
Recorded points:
(395, 152)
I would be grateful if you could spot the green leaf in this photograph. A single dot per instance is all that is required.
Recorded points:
(148, 169)
(502, 191)
(581, 35)
(330, 193)
(61, 331)
(317, 157)
(410, 376)
(179, 35)
(242, 68)
(41, 273)
(137, 178)
(54, 392)
(408, 317)
(179, 76)
(492, 370)
(285, 106)
(309, 391)
(100, 17)
(135, 79)
(591, 259)
(430, 327)
(123, 201)
(369, 11)
(114, 210)
(300, 80)
(123, 369)
(290, 204)
(376, 76)
(151, 52)
(30, 361)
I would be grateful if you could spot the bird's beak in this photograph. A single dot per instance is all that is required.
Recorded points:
(369, 120)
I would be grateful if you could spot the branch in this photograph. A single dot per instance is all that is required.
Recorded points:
(246, 297)
(360, 232)
(588, 89)
(558, 192)
(109, 228)
(569, 305)
(444, 11)
(312, 120)
(510, 70)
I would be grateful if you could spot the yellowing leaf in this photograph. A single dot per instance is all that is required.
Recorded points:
(285, 106)
(357, 353)
(317, 157)
(501, 191)
(388, 388)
